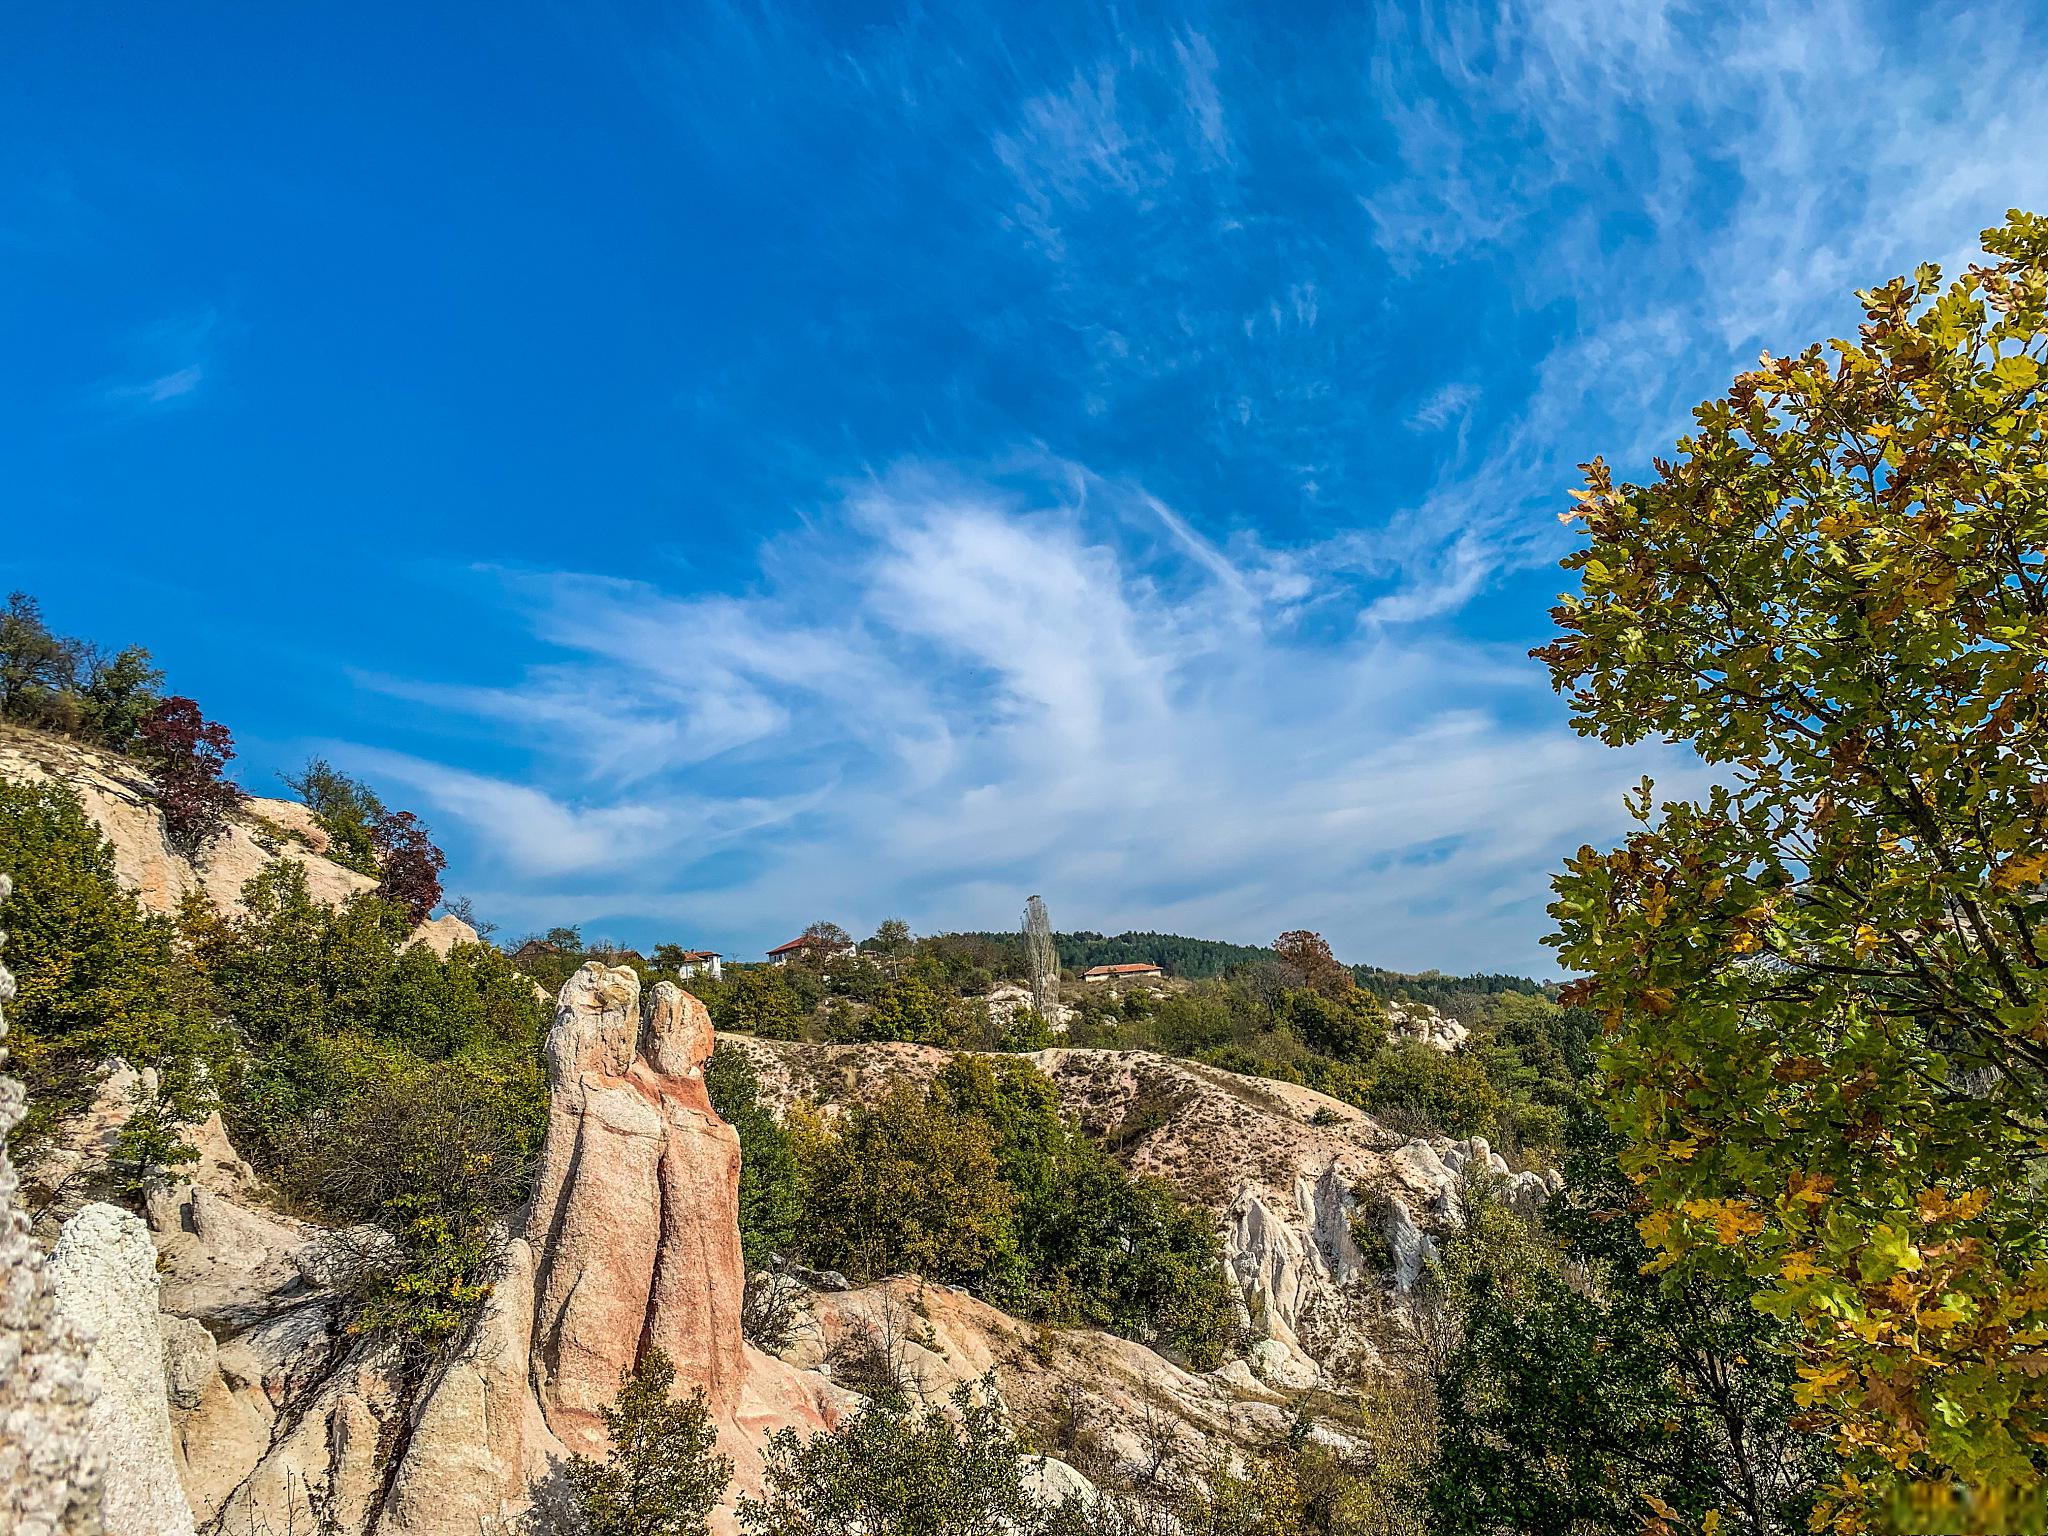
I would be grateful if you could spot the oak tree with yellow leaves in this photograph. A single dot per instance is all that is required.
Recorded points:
(1825, 982)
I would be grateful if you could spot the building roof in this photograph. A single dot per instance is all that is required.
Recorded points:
(700, 954)
(800, 942)
(1132, 968)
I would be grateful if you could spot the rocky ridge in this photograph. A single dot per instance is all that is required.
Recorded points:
(1327, 1216)
(117, 797)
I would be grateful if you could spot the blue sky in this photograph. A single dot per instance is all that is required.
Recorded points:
(727, 465)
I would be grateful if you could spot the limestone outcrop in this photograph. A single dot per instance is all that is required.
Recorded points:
(49, 1464)
(1423, 1024)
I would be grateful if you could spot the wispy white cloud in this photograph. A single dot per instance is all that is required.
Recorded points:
(174, 385)
(168, 363)
(1002, 687)
(1335, 308)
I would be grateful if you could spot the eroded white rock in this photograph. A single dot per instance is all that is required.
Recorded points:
(104, 1273)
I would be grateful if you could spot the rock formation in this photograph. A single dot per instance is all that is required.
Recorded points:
(630, 1128)
(631, 1244)
(49, 1472)
(1422, 1023)
(104, 1275)
(1094, 1396)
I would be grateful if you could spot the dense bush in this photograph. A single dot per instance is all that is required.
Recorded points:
(910, 1009)
(1420, 1089)
(982, 1183)
(54, 683)
(97, 977)
(906, 1185)
(759, 1000)
(771, 1184)
(901, 1470)
(346, 809)
(432, 1153)
(378, 1084)
(1581, 1393)
(1349, 1025)
(291, 967)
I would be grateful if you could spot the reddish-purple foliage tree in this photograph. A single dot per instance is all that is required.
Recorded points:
(188, 754)
(412, 864)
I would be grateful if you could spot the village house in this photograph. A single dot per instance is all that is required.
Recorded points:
(807, 947)
(1131, 972)
(701, 962)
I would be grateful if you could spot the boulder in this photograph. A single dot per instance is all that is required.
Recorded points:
(1421, 1023)
(191, 1360)
(104, 1273)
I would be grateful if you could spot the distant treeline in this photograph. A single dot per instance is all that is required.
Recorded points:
(1454, 996)
(1201, 959)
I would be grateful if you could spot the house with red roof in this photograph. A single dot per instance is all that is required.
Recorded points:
(1136, 971)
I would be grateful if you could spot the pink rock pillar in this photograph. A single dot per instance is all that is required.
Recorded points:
(636, 1207)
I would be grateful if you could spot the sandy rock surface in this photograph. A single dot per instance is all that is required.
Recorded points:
(104, 1273)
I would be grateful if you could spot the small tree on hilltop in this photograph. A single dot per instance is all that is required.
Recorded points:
(1308, 954)
(34, 663)
(115, 694)
(412, 865)
(188, 755)
(347, 810)
(662, 1477)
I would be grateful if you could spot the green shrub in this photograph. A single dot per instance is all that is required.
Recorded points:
(1581, 1388)
(346, 809)
(907, 1185)
(755, 1000)
(430, 1152)
(1445, 1092)
(911, 1010)
(293, 968)
(96, 977)
(982, 1182)
(662, 1477)
(1349, 1027)
(771, 1183)
(380, 1085)
(908, 1472)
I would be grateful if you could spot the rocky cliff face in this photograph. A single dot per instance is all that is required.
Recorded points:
(49, 1465)
(1326, 1215)
(117, 797)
